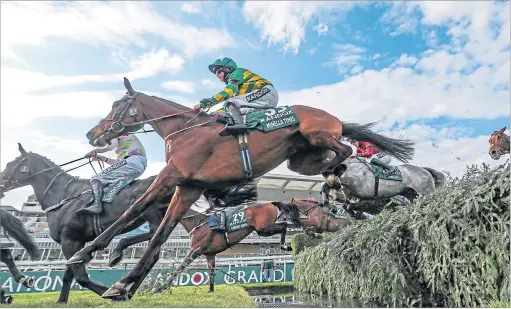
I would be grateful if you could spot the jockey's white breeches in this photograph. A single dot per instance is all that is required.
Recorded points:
(130, 168)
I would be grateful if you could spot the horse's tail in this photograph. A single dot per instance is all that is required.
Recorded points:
(401, 149)
(438, 176)
(241, 193)
(15, 229)
(291, 211)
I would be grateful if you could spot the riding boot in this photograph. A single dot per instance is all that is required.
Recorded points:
(220, 224)
(97, 206)
(238, 127)
(382, 164)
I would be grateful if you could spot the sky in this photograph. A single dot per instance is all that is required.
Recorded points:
(436, 72)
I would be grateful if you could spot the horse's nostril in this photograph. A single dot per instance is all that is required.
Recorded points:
(89, 135)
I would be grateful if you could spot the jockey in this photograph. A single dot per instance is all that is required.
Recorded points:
(373, 154)
(131, 162)
(245, 91)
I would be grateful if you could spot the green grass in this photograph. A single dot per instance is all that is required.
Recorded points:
(266, 284)
(500, 304)
(194, 297)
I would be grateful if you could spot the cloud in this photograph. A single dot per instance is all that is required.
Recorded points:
(107, 23)
(143, 66)
(211, 83)
(347, 57)
(178, 85)
(284, 22)
(321, 29)
(405, 60)
(191, 7)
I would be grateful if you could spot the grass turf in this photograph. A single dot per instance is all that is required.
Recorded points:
(192, 297)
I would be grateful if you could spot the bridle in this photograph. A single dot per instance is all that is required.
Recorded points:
(9, 184)
(132, 111)
(316, 205)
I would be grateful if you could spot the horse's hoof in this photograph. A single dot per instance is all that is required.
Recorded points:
(28, 282)
(115, 259)
(79, 258)
(115, 291)
(333, 181)
(286, 248)
(122, 298)
(210, 291)
(9, 300)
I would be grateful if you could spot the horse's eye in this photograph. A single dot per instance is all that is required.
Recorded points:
(23, 169)
(499, 137)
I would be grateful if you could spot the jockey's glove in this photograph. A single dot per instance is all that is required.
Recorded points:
(205, 103)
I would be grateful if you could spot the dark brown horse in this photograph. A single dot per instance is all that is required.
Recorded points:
(198, 158)
(266, 219)
(499, 144)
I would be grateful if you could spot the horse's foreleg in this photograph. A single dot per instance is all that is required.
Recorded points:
(161, 185)
(153, 217)
(66, 285)
(283, 245)
(211, 269)
(182, 200)
(6, 257)
(117, 255)
(69, 247)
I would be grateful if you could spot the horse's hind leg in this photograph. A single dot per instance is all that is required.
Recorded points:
(6, 257)
(342, 152)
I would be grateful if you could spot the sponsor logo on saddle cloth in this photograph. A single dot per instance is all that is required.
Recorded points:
(272, 119)
(235, 220)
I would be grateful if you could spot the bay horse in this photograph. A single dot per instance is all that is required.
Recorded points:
(499, 144)
(14, 228)
(54, 186)
(266, 219)
(317, 221)
(199, 158)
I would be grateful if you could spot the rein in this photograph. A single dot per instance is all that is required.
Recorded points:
(18, 184)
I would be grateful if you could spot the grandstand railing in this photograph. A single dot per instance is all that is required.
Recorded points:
(162, 263)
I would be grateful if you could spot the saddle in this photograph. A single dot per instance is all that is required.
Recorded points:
(266, 120)
(382, 173)
(87, 197)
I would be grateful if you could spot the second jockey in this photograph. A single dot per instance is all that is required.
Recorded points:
(245, 92)
(131, 162)
(373, 154)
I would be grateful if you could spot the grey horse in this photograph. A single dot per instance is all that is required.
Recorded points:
(360, 184)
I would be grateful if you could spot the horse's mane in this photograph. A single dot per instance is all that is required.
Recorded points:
(176, 105)
(58, 167)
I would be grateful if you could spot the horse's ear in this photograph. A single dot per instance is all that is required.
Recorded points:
(127, 84)
(502, 130)
(22, 150)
